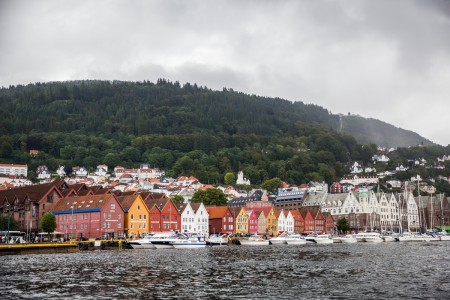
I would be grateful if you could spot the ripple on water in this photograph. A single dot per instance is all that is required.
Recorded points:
(391, 270)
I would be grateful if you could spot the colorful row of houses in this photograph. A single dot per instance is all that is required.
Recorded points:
(92, 212)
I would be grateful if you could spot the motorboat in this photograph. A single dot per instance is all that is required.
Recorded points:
(142, 243)
(310, 237)
(254, 240)
(295, 239)
(337, 239)
(190, 243)
(348, 239)
(164, 241)
(281, 239)
(217, 240)
(443, 236)
(369, 237)
(323, 239)
(388, 238)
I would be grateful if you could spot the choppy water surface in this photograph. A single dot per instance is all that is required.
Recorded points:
(338, 271)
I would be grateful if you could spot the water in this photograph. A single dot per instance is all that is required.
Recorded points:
(338, 271)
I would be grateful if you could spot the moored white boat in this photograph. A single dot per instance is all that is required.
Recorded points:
(295, 239)
(190, 243)
(143, 243)
(323, 239)
(217, 240)
(311, 237)
(281, 239)
(369, 237)
(254, 240)
(337, 239)
(163, 241)
(348, 239)
(388, 238)
(443, 236)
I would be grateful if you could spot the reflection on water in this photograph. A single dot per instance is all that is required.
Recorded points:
(338, 271)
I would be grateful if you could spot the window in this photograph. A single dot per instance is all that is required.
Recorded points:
(139, 207)
(145, 217)
(119, 216)
(104, 225)
(140, 217)
(131, 216)
(113, 206)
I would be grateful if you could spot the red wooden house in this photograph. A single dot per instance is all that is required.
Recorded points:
(299, 222)
(329, 222)
(221, 219)
(169, 217)
(90, 216)
(319, 220)
(309, 221)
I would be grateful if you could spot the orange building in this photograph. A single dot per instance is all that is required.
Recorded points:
(136, 215)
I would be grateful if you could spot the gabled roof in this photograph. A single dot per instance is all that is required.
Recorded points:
(160, 203)
(33, 192)
(217, 212)
(126, 201)
(195, 206)
(265, 210)
(83, 203)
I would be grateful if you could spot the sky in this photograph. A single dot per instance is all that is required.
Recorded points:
(383, 59)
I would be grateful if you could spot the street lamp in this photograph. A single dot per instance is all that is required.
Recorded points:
(7, 233)
(72, 223)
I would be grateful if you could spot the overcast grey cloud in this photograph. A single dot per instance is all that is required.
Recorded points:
(388, 60)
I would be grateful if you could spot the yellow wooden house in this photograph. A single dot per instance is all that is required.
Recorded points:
(242, 221)
(272, 222)
(136, 215)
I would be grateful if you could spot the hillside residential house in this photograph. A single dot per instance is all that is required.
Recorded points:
(221, 219)
(90, 216)
(101, 170)
(14, 169)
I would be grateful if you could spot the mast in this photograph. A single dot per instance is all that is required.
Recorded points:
(431, 212)
(442, 213)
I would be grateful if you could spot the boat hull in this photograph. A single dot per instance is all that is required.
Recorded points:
(348, 240)
(189, 245)
(254, 243)
(277, 241)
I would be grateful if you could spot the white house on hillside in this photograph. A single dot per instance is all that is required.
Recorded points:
(241, 179)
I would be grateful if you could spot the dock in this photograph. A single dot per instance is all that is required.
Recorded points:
(36, 248)
(66, 247)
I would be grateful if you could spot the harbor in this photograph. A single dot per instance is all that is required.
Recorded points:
(344, 271)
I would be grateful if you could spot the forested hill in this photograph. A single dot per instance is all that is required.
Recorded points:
(368, 130)
(148, 108)
(185, 130)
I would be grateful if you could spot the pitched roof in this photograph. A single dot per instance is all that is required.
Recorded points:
(34, 192)
(80, 203)
(126, 201)
(216, 212)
